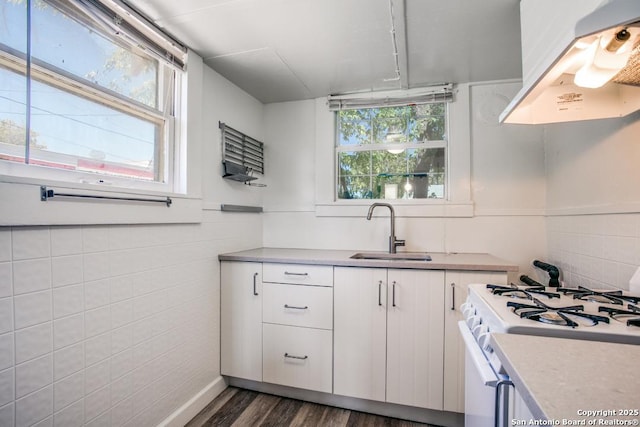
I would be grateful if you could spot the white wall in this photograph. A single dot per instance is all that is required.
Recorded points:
(593, 199)
(507, 177)
(119, 324)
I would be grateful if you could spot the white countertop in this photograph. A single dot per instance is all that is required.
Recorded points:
(440, 261)
(558, 378)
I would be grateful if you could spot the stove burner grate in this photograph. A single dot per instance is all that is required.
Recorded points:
(514, 291)
(605, 297)
(632, 315)
(562, 316)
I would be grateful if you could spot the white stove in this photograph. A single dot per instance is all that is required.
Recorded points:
(501, 313)
(553, 312)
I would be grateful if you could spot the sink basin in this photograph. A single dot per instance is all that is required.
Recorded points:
(402, 256)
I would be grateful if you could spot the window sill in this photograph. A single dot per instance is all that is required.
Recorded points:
(402, 208)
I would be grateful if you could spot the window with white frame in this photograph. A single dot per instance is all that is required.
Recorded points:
(90, 92)
(397, 152)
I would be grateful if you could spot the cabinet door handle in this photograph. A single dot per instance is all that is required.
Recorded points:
(380, 292)
(291, 356)
(453, 296)
(255, 276)
(296, 307)
(393, 294)
(289, 273)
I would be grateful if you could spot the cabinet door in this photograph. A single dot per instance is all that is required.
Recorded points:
(360, 306)
(241, 319)
(415, 328)
(456, 284)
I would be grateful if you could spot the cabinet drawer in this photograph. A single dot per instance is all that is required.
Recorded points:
(297, 357)
(298, 305)
(303, 274)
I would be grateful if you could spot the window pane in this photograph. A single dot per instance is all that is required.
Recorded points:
(13, 85)
(73, 47)
(355, 187)
(427, 167)
(354, 127)
(13, 16)
(390, 125)
(75, 133)
(387, 186)
(13, 95)
(429, 124)
(385, 162)
(354, 175)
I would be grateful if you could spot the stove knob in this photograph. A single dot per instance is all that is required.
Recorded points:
(473, 322)
(468, 310)
(479, 330)
(483, 339)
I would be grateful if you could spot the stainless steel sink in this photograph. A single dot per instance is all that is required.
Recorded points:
(402, 256)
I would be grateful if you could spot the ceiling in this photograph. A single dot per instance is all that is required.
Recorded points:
(286, 50)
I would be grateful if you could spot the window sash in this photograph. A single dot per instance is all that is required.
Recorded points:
(373, 176)
(51, 75)
(386, 147)
(167, 87)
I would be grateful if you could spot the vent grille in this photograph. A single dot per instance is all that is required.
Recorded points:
(241, 149)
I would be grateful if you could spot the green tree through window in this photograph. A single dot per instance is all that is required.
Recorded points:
(392, 152)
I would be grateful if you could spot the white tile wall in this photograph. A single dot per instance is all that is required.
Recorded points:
(111, 325)
(597, 251)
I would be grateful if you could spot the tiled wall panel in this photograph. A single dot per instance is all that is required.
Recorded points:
(596, 251)
(111, 325)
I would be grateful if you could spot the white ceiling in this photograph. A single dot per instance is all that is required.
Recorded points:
(285, 50)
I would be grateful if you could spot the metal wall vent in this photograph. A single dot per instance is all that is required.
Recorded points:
(242, 156)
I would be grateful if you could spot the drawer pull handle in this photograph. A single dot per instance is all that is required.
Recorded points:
(453, 296)
(255, 276)
(290, 356)
(296, 307)
(289, 273)
(393, 294)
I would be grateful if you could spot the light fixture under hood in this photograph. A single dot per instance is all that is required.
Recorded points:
(596, 76)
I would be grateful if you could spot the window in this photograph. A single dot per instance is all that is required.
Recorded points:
(395, 152)
(89, 90)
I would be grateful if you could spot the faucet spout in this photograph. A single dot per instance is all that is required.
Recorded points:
(393, 242)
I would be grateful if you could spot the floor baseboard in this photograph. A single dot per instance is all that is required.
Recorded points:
(190, 409)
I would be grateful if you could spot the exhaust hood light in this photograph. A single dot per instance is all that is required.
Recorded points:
(605, 60)
(579, 78)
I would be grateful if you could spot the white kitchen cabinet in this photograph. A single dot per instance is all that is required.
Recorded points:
(415, 334)
(297, 321)
(388, 335)
(456, 284)
(359, 333)
(297, 357)
(241, 320)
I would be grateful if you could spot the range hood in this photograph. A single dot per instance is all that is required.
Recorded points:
(606, 44)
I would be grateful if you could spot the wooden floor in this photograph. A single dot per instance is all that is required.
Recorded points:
(239, 407)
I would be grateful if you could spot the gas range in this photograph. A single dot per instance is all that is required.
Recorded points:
(578, 313)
